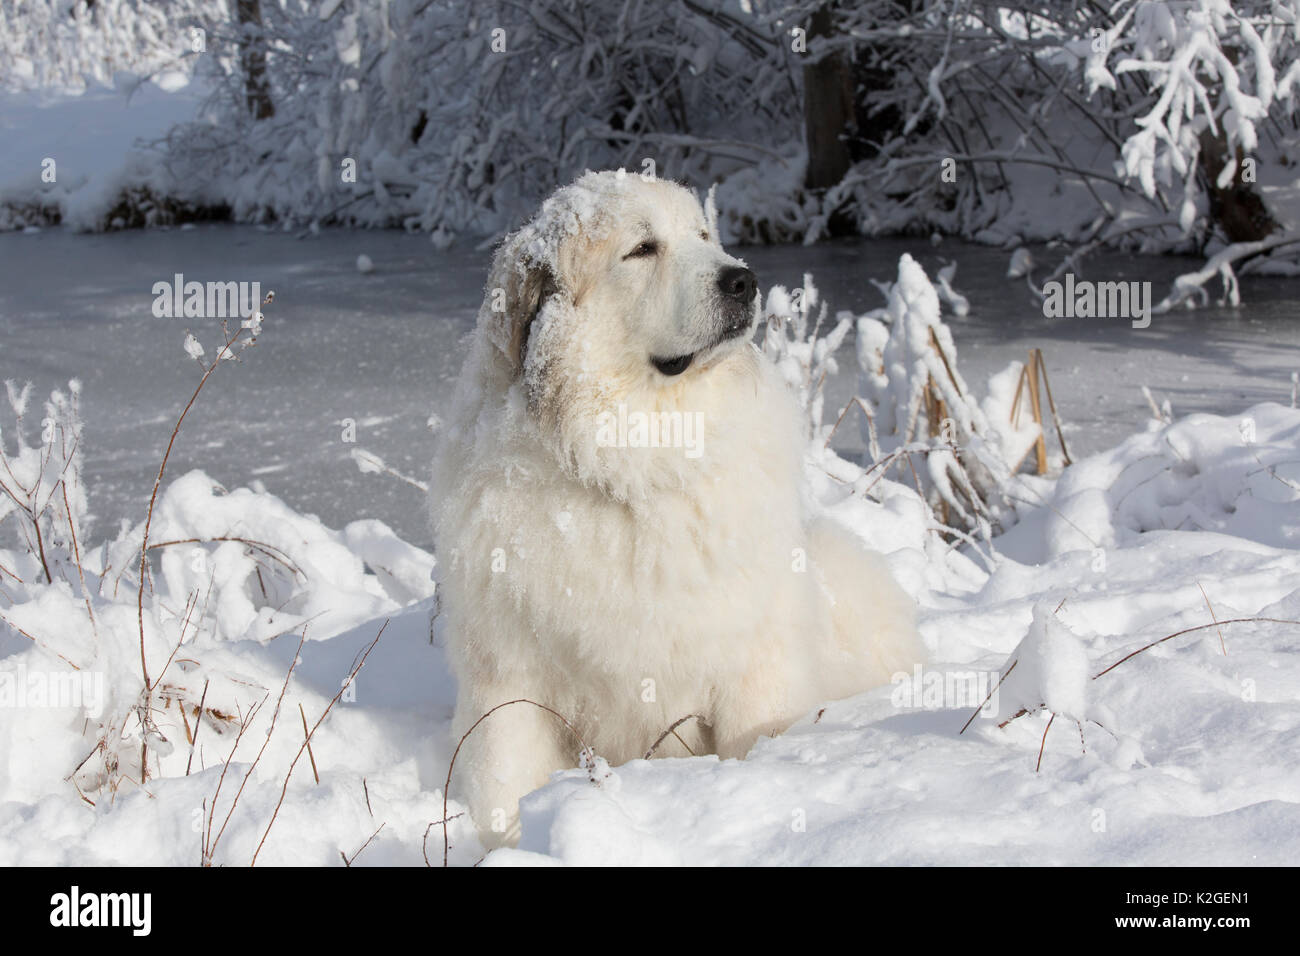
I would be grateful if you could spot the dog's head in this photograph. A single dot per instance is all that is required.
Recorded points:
(640, 262)
(617, 293)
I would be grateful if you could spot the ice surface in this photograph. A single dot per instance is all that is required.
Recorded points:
(382, 350)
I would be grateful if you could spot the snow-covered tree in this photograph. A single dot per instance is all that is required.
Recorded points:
(1140, 122)
(1159, 126)
(66, 44)
(453, 116)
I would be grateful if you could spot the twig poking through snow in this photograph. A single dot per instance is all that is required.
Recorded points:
(989, 697)
(356, 668)
(346, 861)
(198, 722)
(1189, 630)
(1222, 646)
(371, 464)
(1042, 746)
(673, 730)
(226, 351)
(306, 734)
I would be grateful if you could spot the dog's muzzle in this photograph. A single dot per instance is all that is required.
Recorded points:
(737, 289)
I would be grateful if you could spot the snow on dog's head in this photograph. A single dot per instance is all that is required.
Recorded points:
(607, 314)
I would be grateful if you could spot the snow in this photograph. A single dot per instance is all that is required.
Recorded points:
(94, 139)
(193, 347)
(953, 299)
(1173, 755)
(1047, 670)
(1015, 436)
(1022, 260)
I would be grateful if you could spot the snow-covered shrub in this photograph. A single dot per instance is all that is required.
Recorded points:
(881, 504)
(67, 44)
(926, 435)
(1008, 415)
(1143, 123)
(804, 354)
(1212, 67)
(924, 416)
(42, 498)
(457, 116)
(766, 202)
(1128, 119)
(148, 613)
(1048, 670)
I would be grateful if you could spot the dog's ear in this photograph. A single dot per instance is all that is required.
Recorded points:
(537, 285)
(518, 290)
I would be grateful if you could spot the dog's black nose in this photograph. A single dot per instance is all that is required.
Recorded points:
(737, 282)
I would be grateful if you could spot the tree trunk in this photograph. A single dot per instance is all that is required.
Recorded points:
(252, 59)
(827, 109)
(1236, 208)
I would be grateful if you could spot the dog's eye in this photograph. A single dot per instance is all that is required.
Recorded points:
(647, 248)
(704, 235)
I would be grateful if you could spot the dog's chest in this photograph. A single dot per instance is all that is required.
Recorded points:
(677, 576)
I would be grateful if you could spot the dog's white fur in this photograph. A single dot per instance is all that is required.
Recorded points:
(629, 587)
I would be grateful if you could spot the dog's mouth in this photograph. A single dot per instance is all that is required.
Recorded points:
(673, 366)
(680, 363)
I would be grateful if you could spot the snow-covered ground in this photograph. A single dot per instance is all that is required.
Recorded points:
(75, 153)
(1181, 754)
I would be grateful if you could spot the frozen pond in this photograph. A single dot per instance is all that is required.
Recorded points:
(381, 349)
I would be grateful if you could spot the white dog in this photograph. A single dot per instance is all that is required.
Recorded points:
(622, 584)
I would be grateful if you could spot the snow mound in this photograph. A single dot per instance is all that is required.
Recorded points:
(1236, 476)
(1050, 670)
(133, 697)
